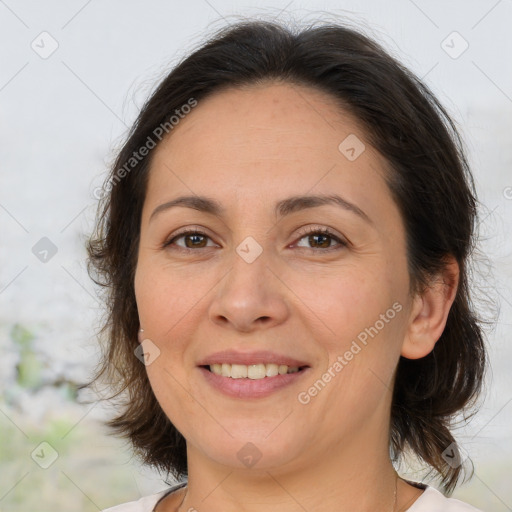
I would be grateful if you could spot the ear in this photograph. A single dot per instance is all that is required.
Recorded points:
(429, 312)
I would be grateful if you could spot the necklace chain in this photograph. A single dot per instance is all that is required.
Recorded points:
(395, 493)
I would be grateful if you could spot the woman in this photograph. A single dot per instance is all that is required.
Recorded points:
(285, 242)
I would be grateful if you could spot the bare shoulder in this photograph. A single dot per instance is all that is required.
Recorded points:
(171, 501)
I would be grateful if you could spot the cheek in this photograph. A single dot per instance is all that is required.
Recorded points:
(359, 318)
(171, 391)
(342, 301)
(167, 297)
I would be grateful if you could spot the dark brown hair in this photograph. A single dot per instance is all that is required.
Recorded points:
(429, 180)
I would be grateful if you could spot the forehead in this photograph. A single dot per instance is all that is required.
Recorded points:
(262, 139)
(303, 119)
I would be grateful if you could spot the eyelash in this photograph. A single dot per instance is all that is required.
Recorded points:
(310, 231)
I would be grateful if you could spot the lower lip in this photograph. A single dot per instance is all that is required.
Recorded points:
(251, 388)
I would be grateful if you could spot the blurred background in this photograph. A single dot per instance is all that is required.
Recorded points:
(73, 76)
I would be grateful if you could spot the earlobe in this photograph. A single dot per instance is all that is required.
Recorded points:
(429, 312)
(141, 335)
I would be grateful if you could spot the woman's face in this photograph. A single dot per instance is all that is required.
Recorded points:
(261, 286)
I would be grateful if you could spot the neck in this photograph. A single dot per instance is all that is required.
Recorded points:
(356, 477)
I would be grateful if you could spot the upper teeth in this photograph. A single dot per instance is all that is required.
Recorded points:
(252, 371)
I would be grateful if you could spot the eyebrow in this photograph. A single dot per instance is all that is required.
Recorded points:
(281, 209)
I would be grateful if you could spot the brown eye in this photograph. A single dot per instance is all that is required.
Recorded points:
(196, 240)
(193, 239)
(321, 239)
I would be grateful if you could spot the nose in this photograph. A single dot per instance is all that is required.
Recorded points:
(250, 297)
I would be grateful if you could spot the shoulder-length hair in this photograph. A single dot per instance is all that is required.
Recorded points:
(429, 180)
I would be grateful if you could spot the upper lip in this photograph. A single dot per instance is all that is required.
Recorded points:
(248, 358)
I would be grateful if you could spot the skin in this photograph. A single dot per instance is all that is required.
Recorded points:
(249, 148)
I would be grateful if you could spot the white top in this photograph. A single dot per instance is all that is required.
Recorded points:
(430, 501)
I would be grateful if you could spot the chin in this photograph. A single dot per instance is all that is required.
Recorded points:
(253, 451)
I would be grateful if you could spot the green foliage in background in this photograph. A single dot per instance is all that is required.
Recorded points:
(30, 366)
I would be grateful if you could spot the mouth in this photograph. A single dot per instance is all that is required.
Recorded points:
(251, 375)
